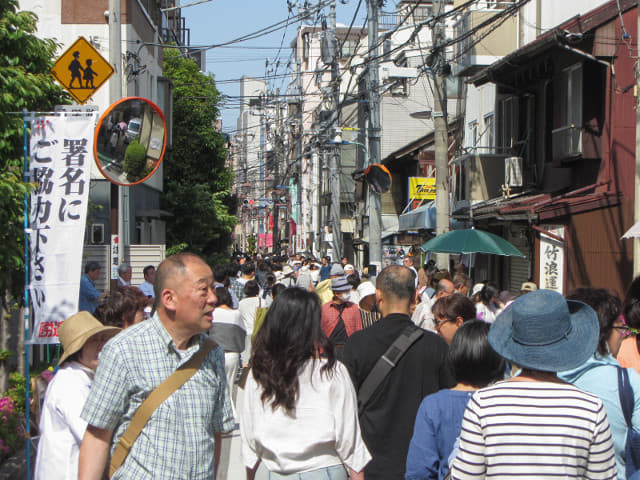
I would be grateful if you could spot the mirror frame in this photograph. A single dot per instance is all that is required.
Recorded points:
(103, 117)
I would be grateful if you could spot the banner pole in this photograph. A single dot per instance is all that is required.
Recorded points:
(27, 303)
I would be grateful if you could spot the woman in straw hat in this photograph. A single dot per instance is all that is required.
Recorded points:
(82, 337)
(535, 426)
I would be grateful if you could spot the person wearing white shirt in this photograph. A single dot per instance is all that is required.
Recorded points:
(146, 287)
(124, 274)
(61, 429)
(248, 307)
(323, 438)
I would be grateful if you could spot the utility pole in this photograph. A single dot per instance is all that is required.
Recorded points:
(298, 200)
(335, 153)
(375, 230)
(118, 210)
(636, 210)
(440, 132)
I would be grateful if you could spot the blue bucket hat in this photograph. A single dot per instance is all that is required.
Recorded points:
(543, 331)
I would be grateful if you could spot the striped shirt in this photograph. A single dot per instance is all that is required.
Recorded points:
(534, 430)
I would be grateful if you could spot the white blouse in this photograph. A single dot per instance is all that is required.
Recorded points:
(61, 428)
(322, 431)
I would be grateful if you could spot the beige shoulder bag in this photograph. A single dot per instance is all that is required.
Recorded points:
(163, 391)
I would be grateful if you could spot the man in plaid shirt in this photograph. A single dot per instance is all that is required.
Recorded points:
(182, 439)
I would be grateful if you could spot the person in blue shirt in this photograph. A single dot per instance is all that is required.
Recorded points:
(437, 426)
(599, 374)
(89, 294)
(325, 269)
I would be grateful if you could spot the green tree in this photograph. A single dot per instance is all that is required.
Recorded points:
(135, 161)
(25, 83)
(196, 187)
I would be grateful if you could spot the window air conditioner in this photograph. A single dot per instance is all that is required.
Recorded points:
(513, 171)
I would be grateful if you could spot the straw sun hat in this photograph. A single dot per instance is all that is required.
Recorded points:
(77, 329)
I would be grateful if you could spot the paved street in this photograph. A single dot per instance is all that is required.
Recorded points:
(231, 467)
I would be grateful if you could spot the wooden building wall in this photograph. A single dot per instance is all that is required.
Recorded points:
(596, 254)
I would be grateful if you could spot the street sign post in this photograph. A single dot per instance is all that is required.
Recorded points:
(81, 70)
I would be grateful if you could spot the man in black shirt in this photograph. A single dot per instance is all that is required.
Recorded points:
(387, 419)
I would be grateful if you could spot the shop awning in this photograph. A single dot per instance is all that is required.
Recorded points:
(422, 218)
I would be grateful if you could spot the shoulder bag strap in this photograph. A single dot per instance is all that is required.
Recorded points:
(386, 362)
(163, 391)
(626, 395)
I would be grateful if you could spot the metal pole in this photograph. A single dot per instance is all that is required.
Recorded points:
(298, 200)
(636, 210)
(440, 133)
(27, 304)
(375, 229)
(115, 93)
(335, 153)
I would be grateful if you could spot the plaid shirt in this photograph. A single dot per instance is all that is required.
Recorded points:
(177, 442)
(350, 317)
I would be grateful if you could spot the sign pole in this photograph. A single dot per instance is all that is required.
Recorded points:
(27, 304)
(115, 93)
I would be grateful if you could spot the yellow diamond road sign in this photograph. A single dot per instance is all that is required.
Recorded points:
(81, 70)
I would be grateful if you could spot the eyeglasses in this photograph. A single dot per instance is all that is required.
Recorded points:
(623, 329)
(437, 323)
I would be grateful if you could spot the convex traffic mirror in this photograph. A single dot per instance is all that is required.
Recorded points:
(130, 141)
(378, 177)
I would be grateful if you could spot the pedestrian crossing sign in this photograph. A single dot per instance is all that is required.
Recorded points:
(81, 70)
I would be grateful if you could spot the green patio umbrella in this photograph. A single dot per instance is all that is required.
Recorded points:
(471, 240)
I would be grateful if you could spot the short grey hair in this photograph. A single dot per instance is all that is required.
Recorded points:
(123, 267)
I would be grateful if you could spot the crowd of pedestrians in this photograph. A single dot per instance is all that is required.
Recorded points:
(418, 373)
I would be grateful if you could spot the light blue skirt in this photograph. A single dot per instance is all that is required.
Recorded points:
(336, 472)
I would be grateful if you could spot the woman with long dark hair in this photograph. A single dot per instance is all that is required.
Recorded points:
(293, 389)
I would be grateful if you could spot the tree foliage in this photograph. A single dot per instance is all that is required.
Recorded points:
(25, 83)
(196, 187)
(135, 161)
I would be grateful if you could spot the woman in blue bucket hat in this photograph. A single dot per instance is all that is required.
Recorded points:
(534, 425)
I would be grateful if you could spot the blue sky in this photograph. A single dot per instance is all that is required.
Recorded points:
(219, 21)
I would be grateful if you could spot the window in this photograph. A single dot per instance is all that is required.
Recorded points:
(498, 4)
(473, 133)
(571, 97)
(386, 48)
(349, 47)
(489, 131)
(305, 47)
(508, 121)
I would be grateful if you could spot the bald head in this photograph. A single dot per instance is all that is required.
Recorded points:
(172, 270)
(444, 288)
(396, 282)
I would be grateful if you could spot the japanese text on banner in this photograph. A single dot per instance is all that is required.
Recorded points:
(61, 158)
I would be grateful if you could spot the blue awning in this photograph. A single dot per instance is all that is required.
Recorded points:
(424, 218)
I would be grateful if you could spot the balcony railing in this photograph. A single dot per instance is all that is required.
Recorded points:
(476, 177)
(483, 47)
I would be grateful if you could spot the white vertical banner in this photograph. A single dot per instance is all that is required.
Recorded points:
(61, 150)
(552, 259)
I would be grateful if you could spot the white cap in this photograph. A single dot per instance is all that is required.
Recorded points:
(366, 288)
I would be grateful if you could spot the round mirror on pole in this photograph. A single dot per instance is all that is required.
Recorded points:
(130, 141)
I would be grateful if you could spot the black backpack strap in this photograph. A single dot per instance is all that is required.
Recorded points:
(386, 362)
(625, 393)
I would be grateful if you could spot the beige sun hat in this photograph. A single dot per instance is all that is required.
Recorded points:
(77, 329)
